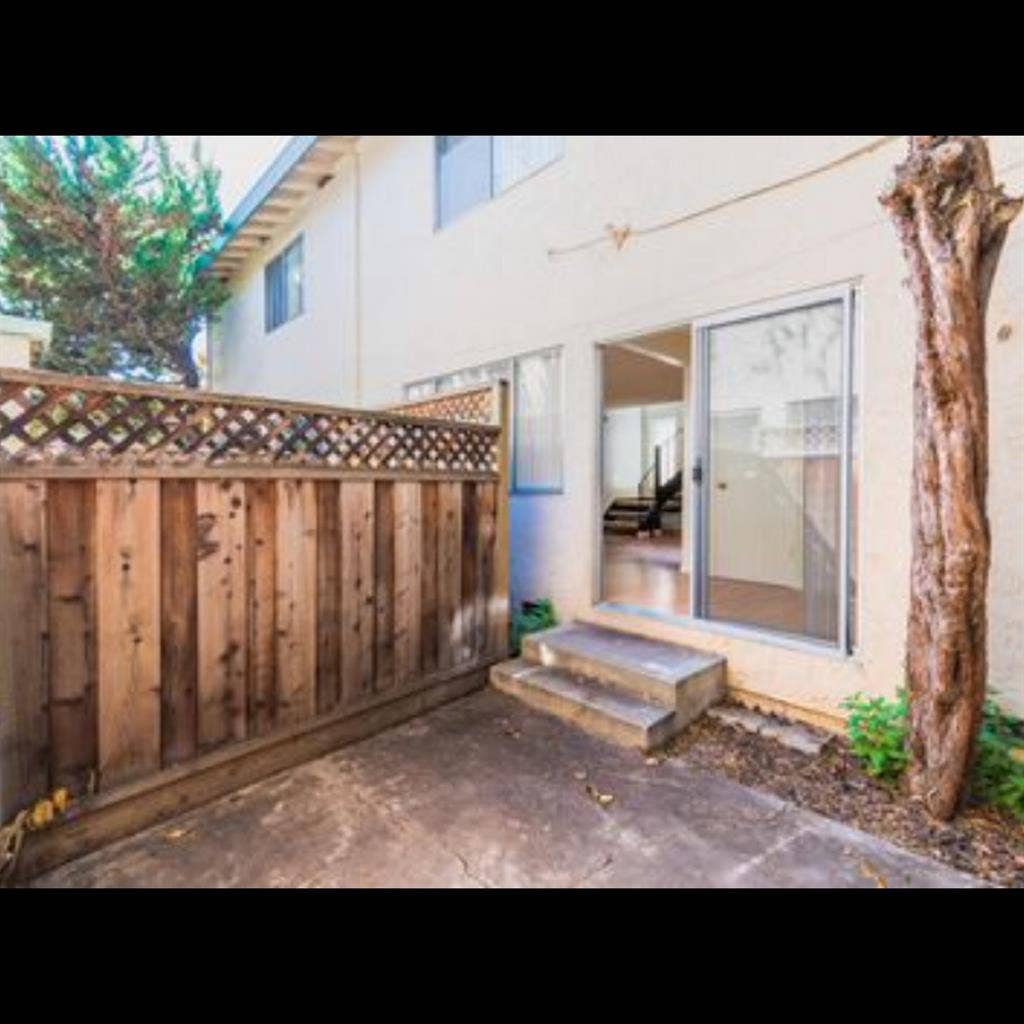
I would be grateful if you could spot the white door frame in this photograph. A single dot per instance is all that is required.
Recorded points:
(845, 293)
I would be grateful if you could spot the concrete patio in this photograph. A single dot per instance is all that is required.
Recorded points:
(486, 792)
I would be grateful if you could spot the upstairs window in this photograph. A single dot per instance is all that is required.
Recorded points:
(282, 285)
(474, 168)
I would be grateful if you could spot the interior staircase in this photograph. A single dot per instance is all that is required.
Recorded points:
(625, 688)
(643, 514)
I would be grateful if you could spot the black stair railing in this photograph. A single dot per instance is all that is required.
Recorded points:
(663, 490)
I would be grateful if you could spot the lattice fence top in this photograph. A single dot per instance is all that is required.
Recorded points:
(471, 405)
(55, 420)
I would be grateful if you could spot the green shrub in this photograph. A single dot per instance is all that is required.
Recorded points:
(999, 768)
(531, 618)
(878, 728)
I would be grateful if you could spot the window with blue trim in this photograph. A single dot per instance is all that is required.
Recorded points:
(282, 286)
(474, 168)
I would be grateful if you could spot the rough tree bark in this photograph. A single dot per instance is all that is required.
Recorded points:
(952, 219)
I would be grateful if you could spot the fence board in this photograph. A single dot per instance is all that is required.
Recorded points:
(408, 541)
(428, 576)
(296, 600)
(24, 727)
(71, 518)
(222, 633)
(470, 537)
(384, 584)
(261, 542)
(357, 600)
(128, 627)
(179, 639)
(487, 496)
(449, 574)
(328, 592)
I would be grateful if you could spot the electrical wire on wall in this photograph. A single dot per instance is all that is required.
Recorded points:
(619, 235)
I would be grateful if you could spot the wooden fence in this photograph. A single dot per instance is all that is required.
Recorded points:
(187, 579)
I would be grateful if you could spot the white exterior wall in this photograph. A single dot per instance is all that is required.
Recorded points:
(484, 287)
(19, 337)
(305, 357)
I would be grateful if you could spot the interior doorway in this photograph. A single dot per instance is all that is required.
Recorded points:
(646, 536)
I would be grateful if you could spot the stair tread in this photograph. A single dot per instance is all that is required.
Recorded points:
(585, 691)
(656, 659)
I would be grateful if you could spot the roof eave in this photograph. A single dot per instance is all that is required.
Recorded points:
(295, 175)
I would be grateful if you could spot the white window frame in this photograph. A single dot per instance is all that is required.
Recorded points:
(495, 193)
(513, 361)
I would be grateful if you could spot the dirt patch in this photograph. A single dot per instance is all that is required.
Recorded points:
(982, 841)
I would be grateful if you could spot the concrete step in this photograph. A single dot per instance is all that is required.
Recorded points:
(596, 709)
(668, 675)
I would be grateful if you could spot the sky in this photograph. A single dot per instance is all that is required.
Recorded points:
(241, 159)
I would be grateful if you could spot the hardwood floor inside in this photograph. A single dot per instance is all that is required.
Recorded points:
(648, 572)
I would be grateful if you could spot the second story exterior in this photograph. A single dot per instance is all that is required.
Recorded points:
(366, 270)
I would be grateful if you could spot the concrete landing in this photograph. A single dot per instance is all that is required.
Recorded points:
(487, 792)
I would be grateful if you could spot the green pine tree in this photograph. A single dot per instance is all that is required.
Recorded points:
(105, 236)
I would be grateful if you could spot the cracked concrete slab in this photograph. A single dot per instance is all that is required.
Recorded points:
(486, 792)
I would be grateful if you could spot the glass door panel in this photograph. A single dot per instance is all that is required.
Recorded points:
(772, 485)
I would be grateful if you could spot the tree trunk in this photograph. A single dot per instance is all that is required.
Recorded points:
(187, 365)
(952, 220)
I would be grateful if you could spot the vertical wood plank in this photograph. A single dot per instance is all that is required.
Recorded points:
(296, 600)
(449, 573)
(408, 540)
(24, 724)
(71, 520)
(328, 610)
(128, 628)
(485, 565)
(179, 626)
(428, 576)
(261, 548)
(357, 598)
(470, 543)
(222, 634)
(498, 616)
(384, 583)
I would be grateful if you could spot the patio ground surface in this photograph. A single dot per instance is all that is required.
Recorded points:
(486, 792)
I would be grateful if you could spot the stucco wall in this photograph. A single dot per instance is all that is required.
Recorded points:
(305, 357)
(485, 287)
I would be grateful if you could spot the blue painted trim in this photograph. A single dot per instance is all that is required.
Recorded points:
(260, 192)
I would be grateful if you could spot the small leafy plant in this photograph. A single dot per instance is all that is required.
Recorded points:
(877, 729)
(999, 769)
(532, 617)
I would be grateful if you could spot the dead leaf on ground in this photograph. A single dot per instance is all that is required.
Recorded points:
(868, 870)
(604, 799)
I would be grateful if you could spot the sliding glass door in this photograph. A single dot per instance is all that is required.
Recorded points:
(774, 416)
